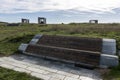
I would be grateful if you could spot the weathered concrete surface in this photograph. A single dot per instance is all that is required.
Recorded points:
(47, 69)
(109, 46)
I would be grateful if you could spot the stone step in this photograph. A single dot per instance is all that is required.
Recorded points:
(81, 43)
(75, 56)
(105, 46)
(91, 52)
(82, 57)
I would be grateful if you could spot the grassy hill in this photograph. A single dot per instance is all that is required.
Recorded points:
(12, 36)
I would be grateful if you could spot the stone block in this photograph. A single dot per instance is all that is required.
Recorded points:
(22, 47)
(70, 78)
(35, 39)
(68, 74)
(36, 70)
(44, 77)
(38, 36)
(108, 60)
(7, 66)
(22, 70)
(109, 46)
(87, 78)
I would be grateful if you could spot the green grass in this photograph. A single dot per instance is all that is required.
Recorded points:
(10, 45)
(7, 74)
(12, 37)
(114, 74)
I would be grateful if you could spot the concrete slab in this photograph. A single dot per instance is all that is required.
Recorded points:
(70, 78)
(22, 70)
(109, 60)
(87, 78)
(109, 46)
(7, 66)
(47, 69)
(44, 77)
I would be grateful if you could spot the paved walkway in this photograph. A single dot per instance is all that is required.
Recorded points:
(47, 69)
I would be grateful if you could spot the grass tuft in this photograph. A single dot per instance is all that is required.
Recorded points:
(7, 74)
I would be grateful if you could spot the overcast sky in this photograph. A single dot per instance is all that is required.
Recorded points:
(58, 11)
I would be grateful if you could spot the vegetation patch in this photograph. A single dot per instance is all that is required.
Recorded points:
(10, 45)
(7, 74)
(112, 74)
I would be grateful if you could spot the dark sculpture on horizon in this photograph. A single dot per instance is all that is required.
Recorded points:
(25, 20)
(93, 21)
(41, 20)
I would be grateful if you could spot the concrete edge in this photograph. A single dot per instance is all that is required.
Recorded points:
(105, 60)
(47, 57)
(23, 47)
(31, 54)
(58, 59)
(108, 60)
(109, 46)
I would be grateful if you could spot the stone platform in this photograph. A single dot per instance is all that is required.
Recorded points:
(90, 52)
